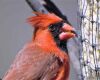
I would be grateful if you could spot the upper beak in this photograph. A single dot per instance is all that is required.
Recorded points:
(68, 28)
(67, 32)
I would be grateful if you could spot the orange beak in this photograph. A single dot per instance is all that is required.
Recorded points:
(67, 32)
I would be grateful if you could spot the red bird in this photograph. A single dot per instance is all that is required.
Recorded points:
(45, 57)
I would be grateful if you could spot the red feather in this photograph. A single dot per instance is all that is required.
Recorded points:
(41, 59)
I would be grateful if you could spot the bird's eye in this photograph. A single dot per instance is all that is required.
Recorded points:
(52, 27)
(56, 26)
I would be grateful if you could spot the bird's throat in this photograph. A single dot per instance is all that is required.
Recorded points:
(47, 40)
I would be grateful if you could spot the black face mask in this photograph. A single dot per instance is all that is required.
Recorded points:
(55, 29)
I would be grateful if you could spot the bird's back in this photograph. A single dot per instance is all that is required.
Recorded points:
(32, 63)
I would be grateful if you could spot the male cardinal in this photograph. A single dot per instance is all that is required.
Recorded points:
(45, 57)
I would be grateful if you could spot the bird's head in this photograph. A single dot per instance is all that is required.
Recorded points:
(54, 24)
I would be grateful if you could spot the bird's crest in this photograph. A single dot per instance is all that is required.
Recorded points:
(43, 20)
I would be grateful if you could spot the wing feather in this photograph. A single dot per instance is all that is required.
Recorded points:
(32, 63)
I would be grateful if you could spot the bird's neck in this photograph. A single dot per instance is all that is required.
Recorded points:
(48, 41)
(45, 39)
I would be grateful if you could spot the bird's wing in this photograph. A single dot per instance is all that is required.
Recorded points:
(32, 63)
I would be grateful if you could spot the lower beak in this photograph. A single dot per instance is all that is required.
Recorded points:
(68, 28)
(67, 32)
